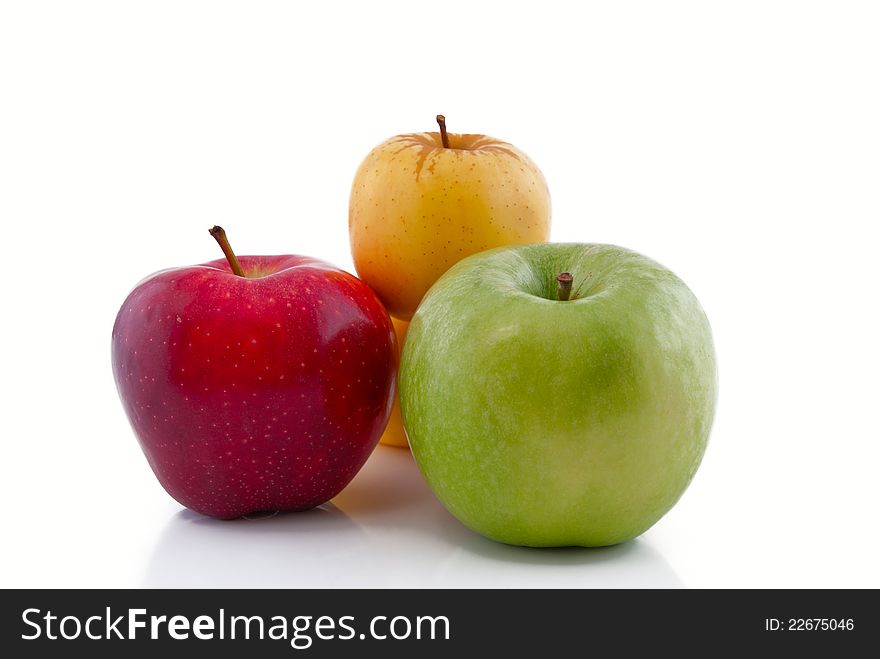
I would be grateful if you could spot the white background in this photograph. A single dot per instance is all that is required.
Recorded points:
(737, 143)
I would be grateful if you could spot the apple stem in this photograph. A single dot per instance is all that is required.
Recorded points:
(220, 236)
(443, 136)
(563, 286)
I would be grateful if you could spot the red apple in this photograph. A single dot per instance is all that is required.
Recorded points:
(259, 384)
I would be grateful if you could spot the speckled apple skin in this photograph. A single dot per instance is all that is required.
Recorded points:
(417, 208)
(252, 394)
(547, 423)
(394, 434)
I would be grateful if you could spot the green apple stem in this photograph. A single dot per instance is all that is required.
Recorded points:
(441, 120)
(220, 236)
(563, 286)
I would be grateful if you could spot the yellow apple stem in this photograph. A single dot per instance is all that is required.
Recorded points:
(563, 286)
(441, 120)
(220, 236)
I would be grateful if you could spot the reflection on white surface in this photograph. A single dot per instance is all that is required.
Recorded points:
(284, 550)
(384, 529)
(633, 564)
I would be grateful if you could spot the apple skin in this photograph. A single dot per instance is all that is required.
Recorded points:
(265, 392)
(546, 423)
(417, 208)
(394, 434)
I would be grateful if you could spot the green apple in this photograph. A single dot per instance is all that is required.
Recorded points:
(549, 410)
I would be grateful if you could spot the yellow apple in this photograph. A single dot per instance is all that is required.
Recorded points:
(421, 202)
(394, 434)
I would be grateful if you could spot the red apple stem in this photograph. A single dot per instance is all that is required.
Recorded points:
(220, 236)
(563, 286)
(441, 120)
